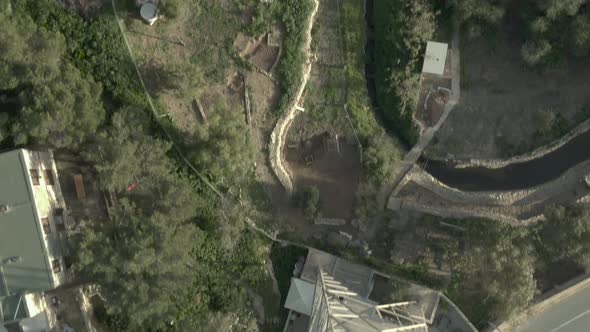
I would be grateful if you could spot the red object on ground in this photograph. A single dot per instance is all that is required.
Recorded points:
(132, 186)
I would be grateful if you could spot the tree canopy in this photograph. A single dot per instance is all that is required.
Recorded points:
(57, 105)
(401, 31)
(476, 15)
(28, 55)
(170, 256)
(565, 234)
(61, 112)
(496, 271)
(223, 148)
(139, 260)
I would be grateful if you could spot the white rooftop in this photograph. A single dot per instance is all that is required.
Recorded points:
(300, 297)
(435, 58)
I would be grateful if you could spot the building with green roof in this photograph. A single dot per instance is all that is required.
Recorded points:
(31, 229)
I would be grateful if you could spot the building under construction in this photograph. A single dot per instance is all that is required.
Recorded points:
(337, 308)
(332, 294)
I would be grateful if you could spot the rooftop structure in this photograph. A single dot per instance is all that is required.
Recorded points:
(337, 308)
(333, 294)
(31, 225)
(435, 58)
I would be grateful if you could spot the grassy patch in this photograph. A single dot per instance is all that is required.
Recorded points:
(401, 31)
(380, 154)
(94, 46)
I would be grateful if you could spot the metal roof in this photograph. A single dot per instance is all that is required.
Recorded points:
(21, 236)
(435, 58)
(300, 297)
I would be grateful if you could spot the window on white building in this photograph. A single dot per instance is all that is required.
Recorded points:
(56, 266)
(49, 177)
(34, 176)
(46, 227)
(58, 216)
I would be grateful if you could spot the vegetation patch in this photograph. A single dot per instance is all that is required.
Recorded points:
(496, 267)
(401, 29)
(283, 260)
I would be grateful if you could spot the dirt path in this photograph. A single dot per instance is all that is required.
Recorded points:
(416, 151)
(279, 133)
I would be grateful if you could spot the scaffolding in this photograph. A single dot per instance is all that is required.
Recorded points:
(337, 308)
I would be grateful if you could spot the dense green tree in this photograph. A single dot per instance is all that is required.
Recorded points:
(27, 54)
(308, 199)
(565, 234)
(550, 125)
(223, 148)
(127, 154)
(557, 29)
(401, 31)
(379, 160)
(476, 15)
(61, 112)
(557, 8)
(496, 271)
(94, 46)
(580, 36)
(139, 260)
(59, 106)
(131, 161)
(536, 52)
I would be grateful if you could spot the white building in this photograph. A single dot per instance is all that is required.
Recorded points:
(32, 233)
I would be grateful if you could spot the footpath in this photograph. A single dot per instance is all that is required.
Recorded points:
(411, 157)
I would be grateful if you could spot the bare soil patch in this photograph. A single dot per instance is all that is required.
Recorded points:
(257, 51)
(434, 94)
(330, 164)
(500, 97)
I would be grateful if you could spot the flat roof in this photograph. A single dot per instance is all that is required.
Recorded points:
(435, 58)
(300, 297)
(20, 233)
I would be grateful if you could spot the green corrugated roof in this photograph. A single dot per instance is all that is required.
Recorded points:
(20, 234)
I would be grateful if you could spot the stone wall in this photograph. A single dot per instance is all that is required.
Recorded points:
(498, 205)
(499, 163)
(279, 133)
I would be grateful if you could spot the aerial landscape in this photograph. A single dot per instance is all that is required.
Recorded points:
(295, 165)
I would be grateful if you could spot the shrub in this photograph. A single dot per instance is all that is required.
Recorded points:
(535, 52)
(308, 199)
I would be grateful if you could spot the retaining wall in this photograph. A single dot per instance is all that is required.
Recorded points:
(279, 133)
(537, 153)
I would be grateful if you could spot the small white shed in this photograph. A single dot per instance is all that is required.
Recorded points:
(435, 58)
(300, 297)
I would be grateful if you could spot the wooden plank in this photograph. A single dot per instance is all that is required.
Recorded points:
(199, 108)
(79, 184)
(247, 103)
